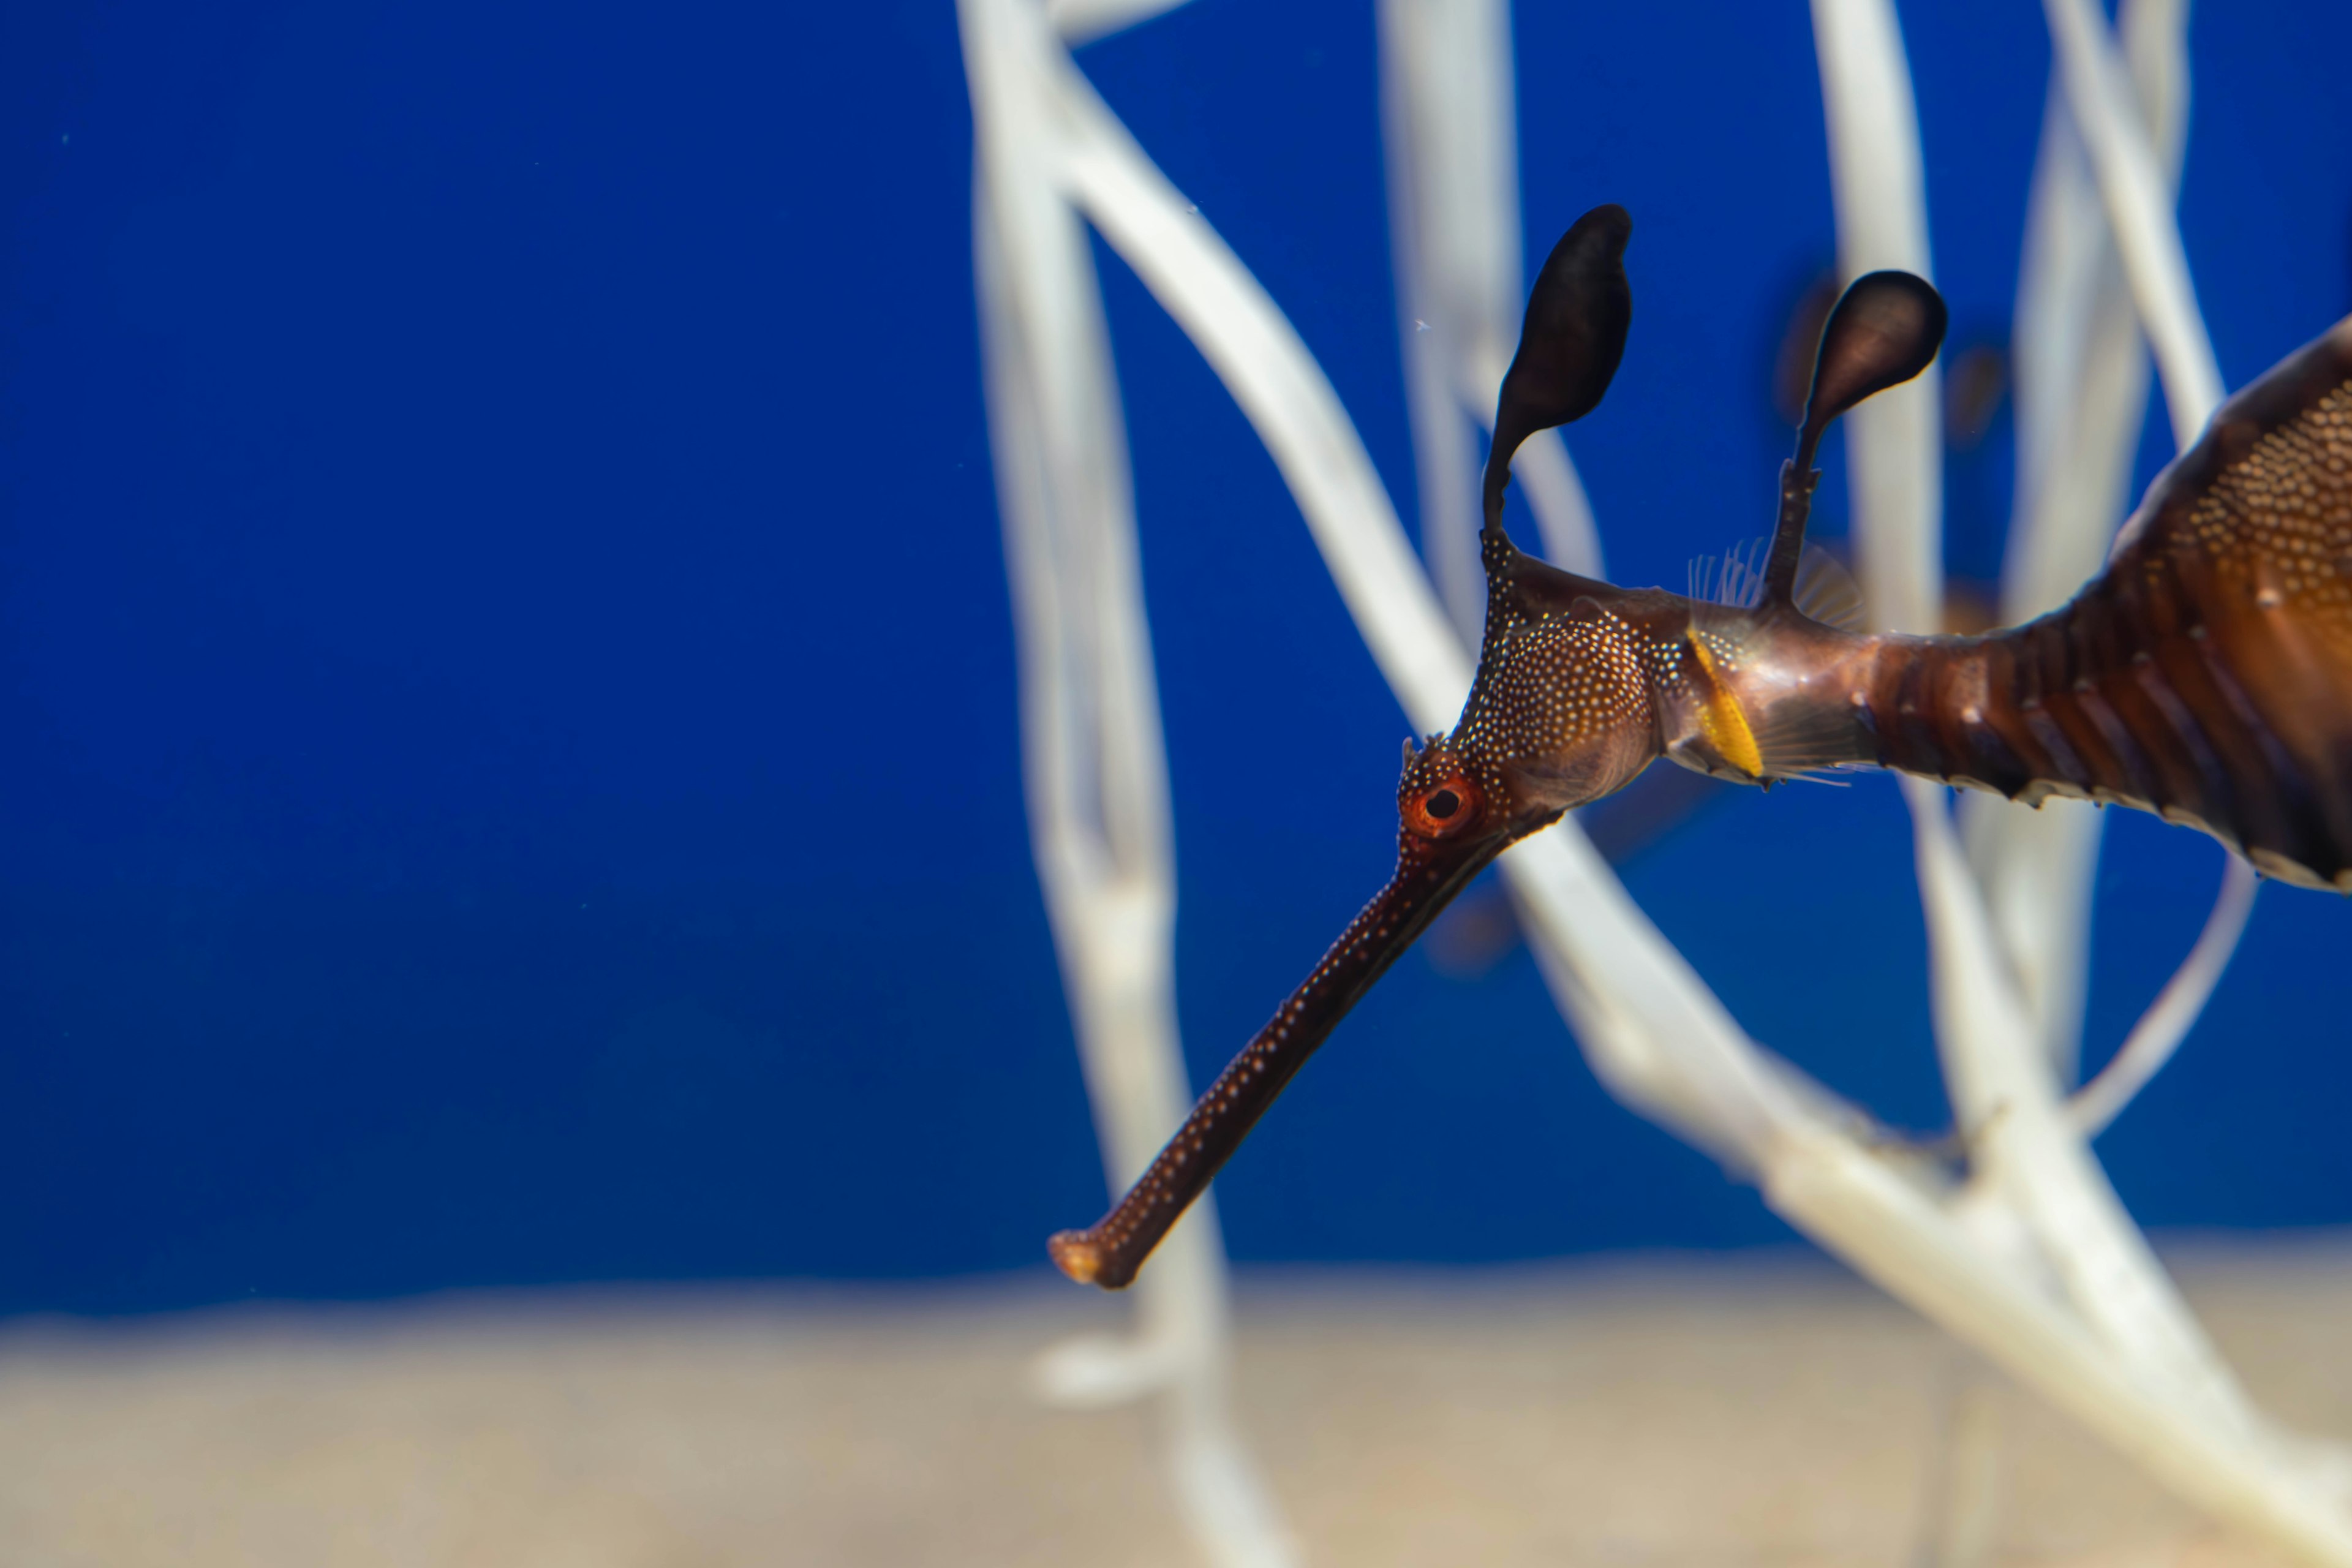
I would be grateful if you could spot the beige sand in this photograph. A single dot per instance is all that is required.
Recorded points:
(1764, 1412)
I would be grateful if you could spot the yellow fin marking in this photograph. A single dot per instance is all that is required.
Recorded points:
(1721, 719)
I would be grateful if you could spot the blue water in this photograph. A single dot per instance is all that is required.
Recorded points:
(510, 767)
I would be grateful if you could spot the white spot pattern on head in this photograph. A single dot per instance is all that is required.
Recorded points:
(1553, 684)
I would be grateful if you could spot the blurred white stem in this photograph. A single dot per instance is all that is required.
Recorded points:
(1960, 1519)
(2134, 129)
(2135, 183)
(1444, 186)
(2026, 1149)
(2022, 1146)
(1084, 21)
(1894, 443)
(2081, 372)
(1451, 140)
(2080, 379)
(2082, 392)
(1908, 1245)
(2037, 869)
(1258, 353)
(2161, 1030)
(1096, 774)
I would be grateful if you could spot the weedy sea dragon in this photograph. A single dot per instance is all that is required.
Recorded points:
(2205, 674)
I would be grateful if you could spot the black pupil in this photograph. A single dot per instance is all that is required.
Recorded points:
(1442, 804)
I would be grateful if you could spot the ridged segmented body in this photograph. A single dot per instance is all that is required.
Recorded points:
(2205, 674)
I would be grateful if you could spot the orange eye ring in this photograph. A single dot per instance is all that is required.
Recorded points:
(1440, 810)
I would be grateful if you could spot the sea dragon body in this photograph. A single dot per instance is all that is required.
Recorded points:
(2204, 675)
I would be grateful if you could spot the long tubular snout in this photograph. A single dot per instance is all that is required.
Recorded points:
(1428, 876)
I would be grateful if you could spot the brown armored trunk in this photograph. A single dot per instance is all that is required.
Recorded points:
(2206, 675)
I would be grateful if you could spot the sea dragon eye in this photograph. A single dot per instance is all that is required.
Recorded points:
(1435, 813)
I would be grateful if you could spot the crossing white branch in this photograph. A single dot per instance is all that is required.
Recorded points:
(2024, 1151)
(1451, 140)
(1095, 772)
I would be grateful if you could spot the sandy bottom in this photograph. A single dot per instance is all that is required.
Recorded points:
(1766, 1411)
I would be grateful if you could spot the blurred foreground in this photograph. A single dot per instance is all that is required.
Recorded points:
(1752, 1410)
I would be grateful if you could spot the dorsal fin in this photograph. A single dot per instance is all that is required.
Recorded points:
(1785, 740)
(1826, 591)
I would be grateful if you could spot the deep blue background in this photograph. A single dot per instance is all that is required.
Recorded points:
(511, 768)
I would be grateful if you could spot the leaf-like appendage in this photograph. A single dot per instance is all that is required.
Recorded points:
(1885, 330)
(1571, 340)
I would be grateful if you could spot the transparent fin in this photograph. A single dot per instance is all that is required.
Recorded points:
(1735, 578)
(1825, 590)
(1793, 739)
(1801, 739)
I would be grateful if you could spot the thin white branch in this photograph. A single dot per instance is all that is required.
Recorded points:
(1894, 443)
(2081, 378)
(1425, 209)
(2132, 181)
(1098, 777)
(2175, 1010)
(1453, 213)
(2037, 867)
(1096, 774)
(2020, 1135)
(1910, 1247)
(1084, 21)
(2000, 1082)
(1959, 1520)
(2081, 369)
(2082, 392)
(1256, 353)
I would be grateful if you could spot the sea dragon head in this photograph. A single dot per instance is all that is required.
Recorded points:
(1566, 707)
